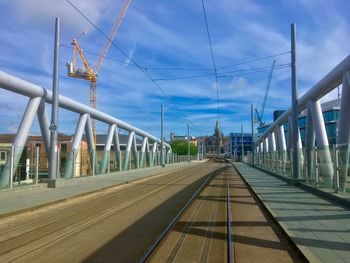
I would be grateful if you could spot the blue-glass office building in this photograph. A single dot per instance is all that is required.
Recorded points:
(330, 109)
(236, 143)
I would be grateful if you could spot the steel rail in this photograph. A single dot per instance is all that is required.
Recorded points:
(75, 210)
(18, 256)
(31, 90)
(155, 244)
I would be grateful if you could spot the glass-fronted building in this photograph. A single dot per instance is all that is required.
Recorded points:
(236, 143)
(330, 109)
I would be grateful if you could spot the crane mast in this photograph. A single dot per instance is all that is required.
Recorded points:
(87, 73)
(259, 116)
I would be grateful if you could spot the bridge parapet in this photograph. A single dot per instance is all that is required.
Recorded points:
(39, 97)
(320, 164)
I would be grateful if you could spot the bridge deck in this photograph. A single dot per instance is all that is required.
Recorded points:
(320, 228)
(17, 201)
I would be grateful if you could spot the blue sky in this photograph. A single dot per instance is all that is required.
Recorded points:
(162, 35)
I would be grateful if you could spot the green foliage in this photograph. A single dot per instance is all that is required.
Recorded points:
(180, 147)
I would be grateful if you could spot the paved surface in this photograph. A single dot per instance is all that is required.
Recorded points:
(114, 225)
(320, 228)
(200, 235)
(256, 236)
(14, 201)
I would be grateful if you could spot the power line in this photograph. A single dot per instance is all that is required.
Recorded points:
(219, 68)
(98, 55)
(249, 73)
(187, 77)
(254, 60)
(122, 51)
(253, 70)
(221, 74)
(142, 69)
(212, 58)
(148, 74)
(179, 68)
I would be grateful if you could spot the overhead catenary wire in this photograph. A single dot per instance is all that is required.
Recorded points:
(222, 74)
(98, 55)
(142, 69)
(121, 50)
(180, 68)
(253, 72)
(212, 57)
(218, 68)
(145, 70)
(254, 60)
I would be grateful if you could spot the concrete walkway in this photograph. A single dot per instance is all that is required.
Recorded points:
(17, 201)
(320, 228)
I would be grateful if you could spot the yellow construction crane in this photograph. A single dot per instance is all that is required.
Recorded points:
(92, 74)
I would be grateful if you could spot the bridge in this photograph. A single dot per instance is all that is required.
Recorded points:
(137, 200)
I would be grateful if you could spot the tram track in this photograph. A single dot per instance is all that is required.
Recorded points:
(218, 227)
(176, 242)
(73, 209)
(205, 213)
(70, 212)
(15, 246)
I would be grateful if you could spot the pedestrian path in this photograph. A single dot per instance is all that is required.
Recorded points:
(320, 228)
(17, 201)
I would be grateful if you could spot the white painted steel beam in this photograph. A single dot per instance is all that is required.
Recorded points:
(20, 140)
(309, 145)
(107, 149)
(44, 125)
(343, 139)
(28, 89)
(128, 149)
(329, 82)
(70, 164)
(143, 151)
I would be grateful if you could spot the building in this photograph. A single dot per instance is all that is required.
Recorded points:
(330, 110)
(82, 165)
(172, 135)
(65, 144)
(236, 143)
(215, 144)
(5, 148)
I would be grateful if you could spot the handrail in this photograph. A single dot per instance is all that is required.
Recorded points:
(31, 90)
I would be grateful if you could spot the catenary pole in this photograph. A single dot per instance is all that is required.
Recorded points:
(188, 143)
(54, 111)
(295, 106)
(162, 136)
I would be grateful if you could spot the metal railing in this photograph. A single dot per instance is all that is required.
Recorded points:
(148, 152)
(319, 163)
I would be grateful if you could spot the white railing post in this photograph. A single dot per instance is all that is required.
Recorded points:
(11, 166)
(336, 168)
(37, 152)
(315, 166)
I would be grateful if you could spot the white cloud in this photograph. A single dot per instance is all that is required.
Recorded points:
(172, 34)
(41, 13)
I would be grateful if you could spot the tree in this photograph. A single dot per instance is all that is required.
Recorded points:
(180, 147)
